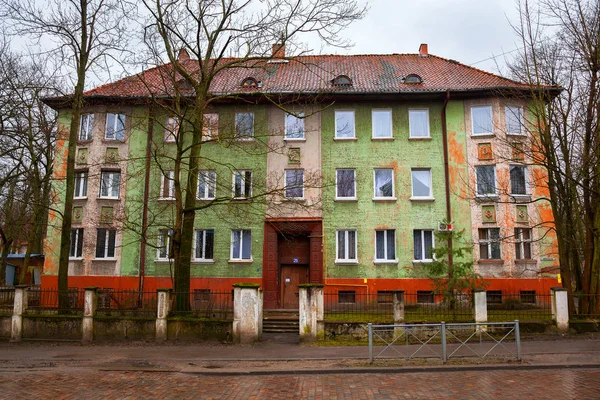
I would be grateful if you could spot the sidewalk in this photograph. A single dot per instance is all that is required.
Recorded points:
(277, 354)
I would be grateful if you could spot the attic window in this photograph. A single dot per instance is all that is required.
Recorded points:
(249, 83)
(413, 78)
(341, 80)
(183, 84)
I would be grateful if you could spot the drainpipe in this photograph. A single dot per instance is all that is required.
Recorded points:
(145, 206)
(447, 179)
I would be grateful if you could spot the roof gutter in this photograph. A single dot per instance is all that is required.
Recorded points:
(447, 181)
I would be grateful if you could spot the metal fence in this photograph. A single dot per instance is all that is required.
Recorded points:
(7, 299)
(428, 307)
(45, 301)
(525, 305)
(126, 303)
(203, 303)
(586, 306)
(444, 340)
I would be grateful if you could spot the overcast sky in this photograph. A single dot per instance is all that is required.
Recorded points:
(468, 31)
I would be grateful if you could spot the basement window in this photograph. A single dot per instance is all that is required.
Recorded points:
(494, 296)
(424, 297)
(527, 296)
(347, 296)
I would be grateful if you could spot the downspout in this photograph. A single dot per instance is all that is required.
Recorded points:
(145, 206)
(447, 181)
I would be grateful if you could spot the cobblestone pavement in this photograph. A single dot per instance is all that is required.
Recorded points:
(485, 384)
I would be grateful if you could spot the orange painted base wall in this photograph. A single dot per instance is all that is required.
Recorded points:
(540, 285)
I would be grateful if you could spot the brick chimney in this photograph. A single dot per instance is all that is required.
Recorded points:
(183, 55)
(423, 51)
(278, 50)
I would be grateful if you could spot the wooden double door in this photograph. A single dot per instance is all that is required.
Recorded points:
(294, 254)
(291, 277)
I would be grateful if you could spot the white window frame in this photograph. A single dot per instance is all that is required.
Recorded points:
(241, 252)
(346, 260)
(297, 120)
(242, 173)
(161, 245)
(495, 193)
(78, 239)
(167, 178)
(423, 248)
(244, 136)
(393, 196)
(285, 191)
(410, 130)
(517, 111)
(86, 124)
(210, 127)
(382, 111)
(473, 124)
(526, 181)
(412, 182)
(385, 248)
(347, 198)
(116, 123)
(171, 129)
(521, 243)
(353, 137)
(111, 184)
(82, 178)
(488, 243)
(204, 232)
(211, 176)
(107, 232)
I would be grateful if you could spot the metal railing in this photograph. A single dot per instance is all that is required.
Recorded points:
(45, 301)
(523, 305)
(445, 340)
(586, 306)
(126, 303)
(204, 304)
(7, 300)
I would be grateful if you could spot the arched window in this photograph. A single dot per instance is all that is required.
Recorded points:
(341, 80)
(249, 82)
(413, 78)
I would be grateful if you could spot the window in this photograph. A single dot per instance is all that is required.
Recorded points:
(418, 122)
(382, 123)
(210, 128)
(486, 180)
(242, 184)
(481, 119)
(493, 297)
(489, 244)
(341, 80)
(171, 129)
(85, 126)
(81, 179)
(344, 125)
(115, 127)
(207, 185)
(76, 246)
(204, 245)
(385, 296)
(244, 125)
(105, 243)
(167, 185)
(347, 296)
(384, 183)
(202, 295)
(294, 184)
(241, 244)
(385, 245)
(294, 126)
(249, 82)
(527, 296)
(514, 120)
(164, 249)
(346, 246)
(421, 183)
(518, 183)
(425, 297)
(345, 184)
(109, 184)
(412, 78)
(423, 245)
(523, 243)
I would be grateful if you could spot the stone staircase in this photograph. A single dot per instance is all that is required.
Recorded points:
(281, 321)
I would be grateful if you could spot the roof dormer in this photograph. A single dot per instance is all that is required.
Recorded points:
(341, 80)
(249, 82)
(412, 79)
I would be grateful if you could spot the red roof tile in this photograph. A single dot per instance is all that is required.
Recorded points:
(309, 74)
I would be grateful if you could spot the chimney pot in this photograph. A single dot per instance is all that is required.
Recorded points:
(183, 55)
(423, 50)
(278, 50)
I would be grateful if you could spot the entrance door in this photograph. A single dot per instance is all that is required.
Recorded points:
(291, 277)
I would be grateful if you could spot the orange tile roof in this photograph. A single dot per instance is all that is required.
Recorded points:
(309, 74)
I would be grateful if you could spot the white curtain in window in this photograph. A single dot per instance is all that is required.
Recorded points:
(418, 122)
(382, 124)
(482, 120)
(514, 120)
(421, 182)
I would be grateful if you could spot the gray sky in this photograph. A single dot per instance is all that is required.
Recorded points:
(468, 31)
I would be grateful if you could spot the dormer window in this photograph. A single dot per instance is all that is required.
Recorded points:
(413, 78)
(341, 80)
(249, 83)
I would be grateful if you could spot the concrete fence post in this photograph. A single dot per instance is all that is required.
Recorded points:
(19, 306)
(311, 324)
(247, 313)
(89, 312)
(162, 312)
(398, 305)
(480, 305)
(560, 308)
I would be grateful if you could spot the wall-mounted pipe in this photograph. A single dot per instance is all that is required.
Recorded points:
(146, 197)
(447, 180)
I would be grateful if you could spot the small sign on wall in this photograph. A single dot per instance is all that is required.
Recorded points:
(484, 151)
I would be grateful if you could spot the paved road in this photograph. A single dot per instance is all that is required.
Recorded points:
(485, 384)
